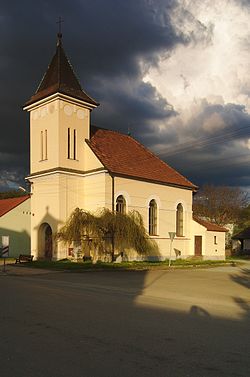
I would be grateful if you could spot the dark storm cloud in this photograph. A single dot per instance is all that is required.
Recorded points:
(110, 44)
(243, 2)
(221, 156)
(105, 41)
(133, 107)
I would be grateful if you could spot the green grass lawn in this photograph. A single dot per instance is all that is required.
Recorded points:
(83, 266)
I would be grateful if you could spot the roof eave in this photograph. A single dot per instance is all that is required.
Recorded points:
(127, 176)
(206, 225)
(58, 95)
(16, 205)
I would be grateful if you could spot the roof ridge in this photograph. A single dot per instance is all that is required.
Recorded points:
(162, 162)
(151, 167)
(108, 129)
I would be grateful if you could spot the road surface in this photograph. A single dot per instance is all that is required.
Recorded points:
(119, 324)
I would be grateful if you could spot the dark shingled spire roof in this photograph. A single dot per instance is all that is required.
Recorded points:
(60, 78)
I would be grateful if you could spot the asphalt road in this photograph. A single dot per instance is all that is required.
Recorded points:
(158, 323)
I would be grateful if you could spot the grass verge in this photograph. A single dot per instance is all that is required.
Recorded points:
(67, 265)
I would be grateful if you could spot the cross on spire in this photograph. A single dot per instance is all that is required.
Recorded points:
(59, 34)
(59, 22)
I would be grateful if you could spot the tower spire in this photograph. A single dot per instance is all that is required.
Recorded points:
(60, 77)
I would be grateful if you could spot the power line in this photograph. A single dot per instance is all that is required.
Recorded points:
(203, 142)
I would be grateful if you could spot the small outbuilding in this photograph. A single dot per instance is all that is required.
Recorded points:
(241, 241)
(15, 222)
(209, 239)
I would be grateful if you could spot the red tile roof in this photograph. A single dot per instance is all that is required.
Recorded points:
(7, 205)
(60, 78)
(123, 155)
(210, 226)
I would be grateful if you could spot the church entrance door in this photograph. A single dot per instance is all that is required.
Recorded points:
(48, 243)
(45, 242)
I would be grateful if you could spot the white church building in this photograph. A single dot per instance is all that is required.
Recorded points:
(73, 164)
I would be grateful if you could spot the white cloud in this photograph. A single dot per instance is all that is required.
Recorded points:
(213, 65)
(213, 122)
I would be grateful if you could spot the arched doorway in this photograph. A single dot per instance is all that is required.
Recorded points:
(45, 242)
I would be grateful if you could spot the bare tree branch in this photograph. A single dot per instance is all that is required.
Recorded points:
(220, 204)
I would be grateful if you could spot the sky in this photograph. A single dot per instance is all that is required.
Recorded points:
(173, 73)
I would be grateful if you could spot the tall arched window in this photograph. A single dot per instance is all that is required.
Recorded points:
(120, 204)
(152, 218)
(179, 220)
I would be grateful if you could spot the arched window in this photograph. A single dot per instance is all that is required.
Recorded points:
(120, 204)
(152, 218)
(179, 220)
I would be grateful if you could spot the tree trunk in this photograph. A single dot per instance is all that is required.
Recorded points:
(113, 247)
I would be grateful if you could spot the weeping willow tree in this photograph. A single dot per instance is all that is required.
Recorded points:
(108, 231)
(125, 231)
(81, 229)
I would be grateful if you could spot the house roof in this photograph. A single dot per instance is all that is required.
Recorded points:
(60, 78)
(7, 205)
(244, 235)
(209, 226)
(123, 155)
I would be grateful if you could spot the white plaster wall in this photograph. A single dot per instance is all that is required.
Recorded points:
(55, 196)
(215, 251)
(56, 117)
(75, 117)
(46, 208)
(94, 191)
(71, 194)
(138, 195)
(41, 119)
(91, 162)
(198, 230)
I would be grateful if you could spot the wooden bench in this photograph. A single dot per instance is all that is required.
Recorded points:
(24, 258)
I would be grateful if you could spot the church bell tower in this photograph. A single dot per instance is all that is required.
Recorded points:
(59, 124)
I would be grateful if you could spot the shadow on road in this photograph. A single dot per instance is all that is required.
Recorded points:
(197, 311)
(243, 279)
(91, 324)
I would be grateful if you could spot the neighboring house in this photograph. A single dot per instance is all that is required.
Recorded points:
(76, 165)
(209, 239)
(15, 220)
(241, 241)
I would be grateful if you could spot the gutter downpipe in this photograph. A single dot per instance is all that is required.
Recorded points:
(113, 193)
(113, 211)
